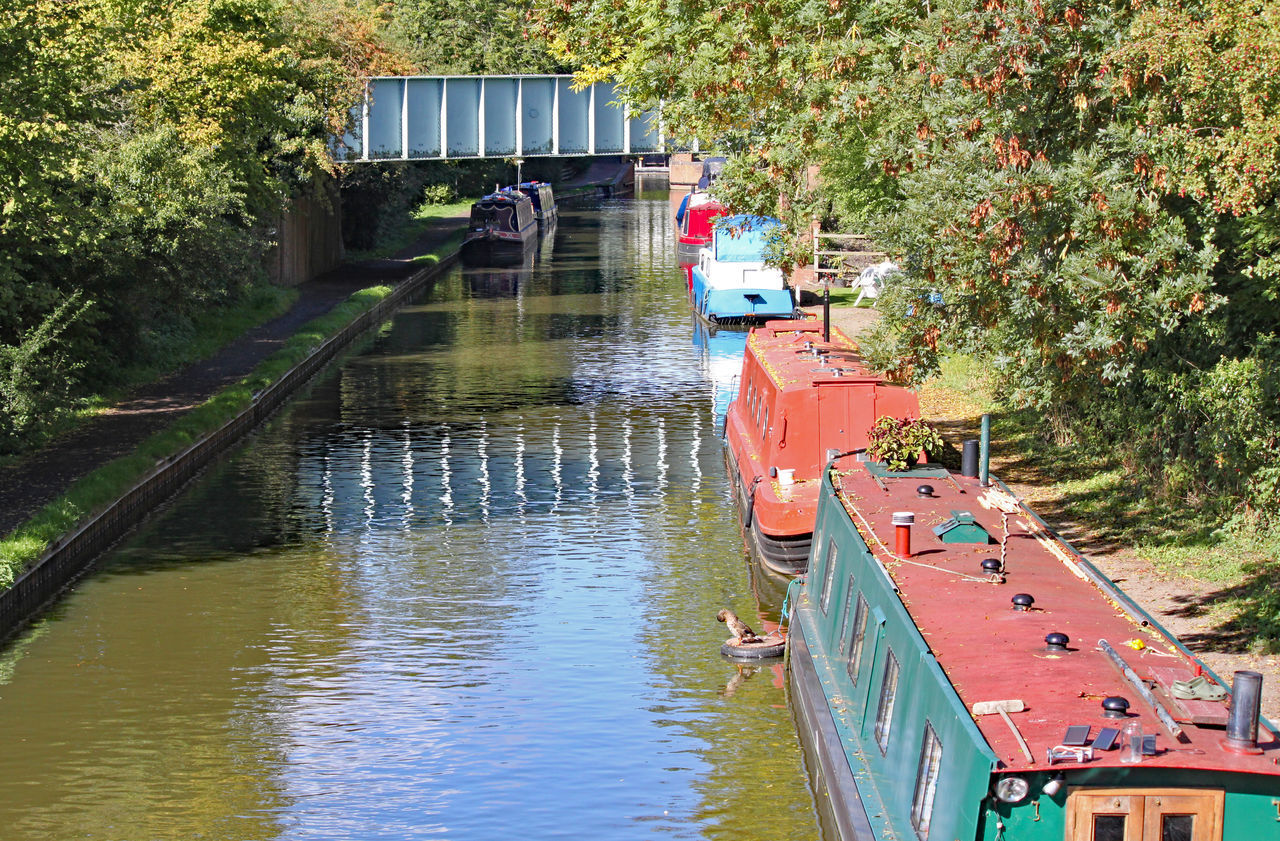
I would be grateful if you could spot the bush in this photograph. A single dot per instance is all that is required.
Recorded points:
(439, 194)
(35, 379)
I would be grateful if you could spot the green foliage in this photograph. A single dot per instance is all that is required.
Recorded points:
(1082, 193)
(439, 194)
(899, 441)
(149, 147)
(36, 378)
(466, 37)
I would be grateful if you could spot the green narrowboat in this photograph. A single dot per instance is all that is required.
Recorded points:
(959, 673)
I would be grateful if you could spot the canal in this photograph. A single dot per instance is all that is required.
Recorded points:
(464, 587)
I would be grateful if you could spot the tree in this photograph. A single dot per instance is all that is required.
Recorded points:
(1081, 192)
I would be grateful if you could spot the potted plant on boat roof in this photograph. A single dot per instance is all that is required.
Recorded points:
(898, 441)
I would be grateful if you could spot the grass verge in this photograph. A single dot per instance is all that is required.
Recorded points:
(208, 333)
(106, 484)
(1233, 569)
(404, 231)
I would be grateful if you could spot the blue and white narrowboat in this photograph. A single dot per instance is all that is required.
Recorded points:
(732, 282)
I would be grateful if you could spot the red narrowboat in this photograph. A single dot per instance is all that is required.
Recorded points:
(696, 218)
(801, 399)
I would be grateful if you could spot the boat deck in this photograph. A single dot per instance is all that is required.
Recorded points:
(991, 651)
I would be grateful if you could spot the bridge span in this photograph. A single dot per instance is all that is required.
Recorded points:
(461, 117)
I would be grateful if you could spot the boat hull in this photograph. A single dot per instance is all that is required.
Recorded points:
(492, 251)
(717, 301)
(501, 230)
(785, 554)
(687, 250)
(841, 812)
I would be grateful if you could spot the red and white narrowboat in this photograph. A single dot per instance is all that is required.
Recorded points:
(696, 217)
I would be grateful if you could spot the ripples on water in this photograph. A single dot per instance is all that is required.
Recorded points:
(464, 588)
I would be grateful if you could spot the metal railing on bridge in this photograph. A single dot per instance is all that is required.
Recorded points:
(450, 117)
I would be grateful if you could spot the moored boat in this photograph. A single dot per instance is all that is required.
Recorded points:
(800, 398)
(732, 282)
(501, 230)
(696, 220)
(540, 194)
(961, 674)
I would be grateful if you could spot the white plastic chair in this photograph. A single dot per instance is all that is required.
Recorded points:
(872, 278)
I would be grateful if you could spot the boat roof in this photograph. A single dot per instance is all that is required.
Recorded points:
(743, 237)
(794, 354)
(991, 651)
(503, 197)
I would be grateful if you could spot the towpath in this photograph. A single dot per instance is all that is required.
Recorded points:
(40, 477)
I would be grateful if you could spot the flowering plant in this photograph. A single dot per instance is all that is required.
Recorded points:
(898, 441)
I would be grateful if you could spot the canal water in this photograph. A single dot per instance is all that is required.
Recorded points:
(465, 587)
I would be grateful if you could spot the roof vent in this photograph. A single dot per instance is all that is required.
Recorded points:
(1023, 601)
(994, 570)
(1056, 641)
(1113, 706)
(961, 528)
(924, 491)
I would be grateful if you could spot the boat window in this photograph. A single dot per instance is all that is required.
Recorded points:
(859, 635)
(828, 576)
(888, 694)
(766, 423)
(927, 774)
(1108, 827)
(844, 620)
(1176, 827)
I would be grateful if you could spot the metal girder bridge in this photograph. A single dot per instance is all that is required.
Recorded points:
(458, 117)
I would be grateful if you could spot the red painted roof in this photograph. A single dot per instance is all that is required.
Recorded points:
(992, 652)
(791, 363)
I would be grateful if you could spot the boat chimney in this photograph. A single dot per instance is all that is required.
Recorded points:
(1246, 708)
(902, 521)
(969, 459)
(984, 468)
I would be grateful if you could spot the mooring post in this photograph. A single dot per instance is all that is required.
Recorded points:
(984, 446)
(826, 312)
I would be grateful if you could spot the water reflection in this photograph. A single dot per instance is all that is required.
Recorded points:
(463, 588)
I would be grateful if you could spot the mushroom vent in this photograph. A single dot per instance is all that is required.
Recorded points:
(1113, 706)
(1056, 641)
(1023, 601)
(924, 490)
(990, 565)
(961, 528)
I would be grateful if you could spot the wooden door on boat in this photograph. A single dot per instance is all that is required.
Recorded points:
(845, 414)
(1173, 814)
